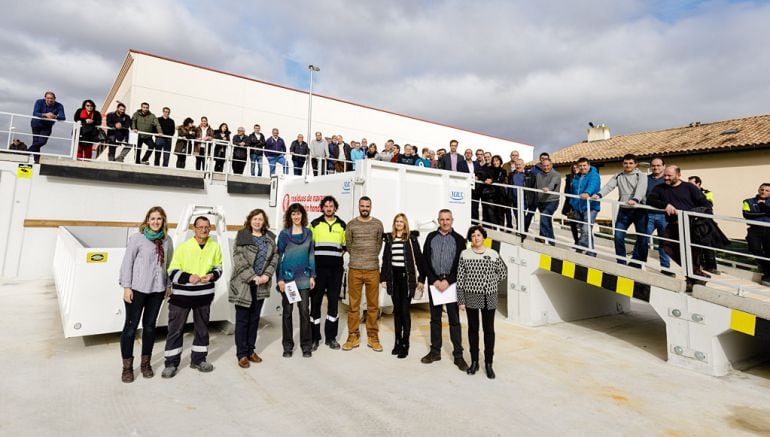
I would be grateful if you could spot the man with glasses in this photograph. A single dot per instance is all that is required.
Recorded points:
(195, 266)
(163, 143)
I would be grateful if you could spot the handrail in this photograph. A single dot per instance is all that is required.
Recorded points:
(683, 220)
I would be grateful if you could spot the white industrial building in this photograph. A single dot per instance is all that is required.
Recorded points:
(195, 91)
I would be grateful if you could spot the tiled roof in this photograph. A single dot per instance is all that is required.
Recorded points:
(739, 133)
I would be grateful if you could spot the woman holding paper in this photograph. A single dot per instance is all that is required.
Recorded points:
(478, 275)
(254, 261)
(401, 275)
(296, 276)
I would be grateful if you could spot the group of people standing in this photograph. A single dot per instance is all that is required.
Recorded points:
(306, 259)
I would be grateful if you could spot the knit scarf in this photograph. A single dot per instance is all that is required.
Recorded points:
(157, 238)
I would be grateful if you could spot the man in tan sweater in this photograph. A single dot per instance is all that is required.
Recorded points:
(363, 237)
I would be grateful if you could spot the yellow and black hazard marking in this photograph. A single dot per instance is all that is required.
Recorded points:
(618, 284)
(749, 324)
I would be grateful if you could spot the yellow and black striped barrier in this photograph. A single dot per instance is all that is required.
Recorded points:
(597, 278)
(749, 324)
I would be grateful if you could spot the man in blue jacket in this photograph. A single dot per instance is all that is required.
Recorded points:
(46, 110)
(275, 148)
(585, 184)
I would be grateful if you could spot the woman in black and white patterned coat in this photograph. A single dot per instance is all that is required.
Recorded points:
(480, 271)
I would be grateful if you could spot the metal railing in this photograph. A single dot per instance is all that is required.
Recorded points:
(523, 227)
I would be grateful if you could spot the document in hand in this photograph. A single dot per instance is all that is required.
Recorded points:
(133, 138)
(448, 296)
(292, 292)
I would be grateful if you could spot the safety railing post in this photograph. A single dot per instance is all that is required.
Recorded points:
(10, 133)
(684, 253)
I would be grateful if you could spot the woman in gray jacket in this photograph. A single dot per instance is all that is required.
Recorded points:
(144, 278)
(254, 261)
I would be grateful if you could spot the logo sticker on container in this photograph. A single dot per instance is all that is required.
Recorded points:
(24, 171)
(96, 257)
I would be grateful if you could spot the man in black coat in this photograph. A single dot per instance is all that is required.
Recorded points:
(442, 256)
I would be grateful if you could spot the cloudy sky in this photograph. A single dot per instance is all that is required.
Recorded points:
(532, 71)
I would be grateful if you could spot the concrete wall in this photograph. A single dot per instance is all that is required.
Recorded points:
(731, 176)
(194, 91)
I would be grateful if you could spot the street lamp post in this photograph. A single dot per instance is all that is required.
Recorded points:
(308, 165)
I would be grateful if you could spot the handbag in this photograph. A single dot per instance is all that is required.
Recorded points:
(418, 293)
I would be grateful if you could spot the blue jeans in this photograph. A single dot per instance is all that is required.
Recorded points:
(588, 218)
(256, 161)
(273, 159)
(657, 222)
(638, 217)
(546, 219)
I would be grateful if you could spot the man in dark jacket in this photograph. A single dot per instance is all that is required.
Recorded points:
(145, 121)
(163, 143)
(46, 110)
(758, 237)
(299, 152)
(672, 196)
(118, 122)
(442, 256)
(275, 147)
(240, 147)
(453, 161)
(256, 152)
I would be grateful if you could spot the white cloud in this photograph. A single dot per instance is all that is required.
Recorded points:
(536, 72)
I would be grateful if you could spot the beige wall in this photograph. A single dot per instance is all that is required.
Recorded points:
(732, 177)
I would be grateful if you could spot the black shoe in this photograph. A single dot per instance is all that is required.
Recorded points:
(307, 354)
(403, 352)
(490, 371)
(333, 344)
(315, 345)
(396, 349)
(474, 367)
(431, 357)
(461, 364)
(287, 354)
(669, 274)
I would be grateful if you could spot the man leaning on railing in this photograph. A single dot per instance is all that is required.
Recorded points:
(758, 237)
(46, 111)
(674, 196)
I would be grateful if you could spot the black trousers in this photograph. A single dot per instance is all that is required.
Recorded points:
(455, 333)
(759, 245)
(246, 325)
(305, 336)
(144, 139)
(488, 322)
(162, 150)
(672, 248)
(328, 281)
(220, 153)
(144, 306)
(299, 162)
(177, 317)
(402, 299)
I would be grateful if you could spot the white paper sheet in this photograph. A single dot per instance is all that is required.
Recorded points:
(448, 296)
(292, 292)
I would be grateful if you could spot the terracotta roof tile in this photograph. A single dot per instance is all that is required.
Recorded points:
(724, 135)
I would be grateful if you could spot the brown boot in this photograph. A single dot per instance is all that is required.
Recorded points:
(128, 370)
(146, 367)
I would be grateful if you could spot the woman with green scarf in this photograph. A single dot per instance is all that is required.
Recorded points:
(145, 282)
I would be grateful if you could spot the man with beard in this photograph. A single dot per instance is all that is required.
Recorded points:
(329, 239)
(363, 239)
